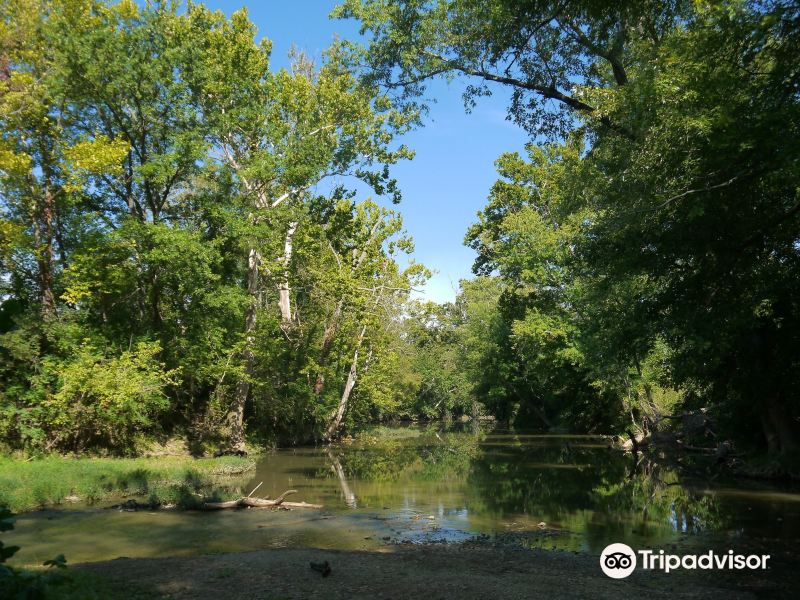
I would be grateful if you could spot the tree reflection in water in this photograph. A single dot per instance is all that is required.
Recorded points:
(514, 482)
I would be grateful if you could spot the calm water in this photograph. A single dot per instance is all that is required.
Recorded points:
(425, 485)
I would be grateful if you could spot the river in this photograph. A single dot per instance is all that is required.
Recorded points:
(429, 484)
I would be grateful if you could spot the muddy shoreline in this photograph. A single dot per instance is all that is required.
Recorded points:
(459, 571)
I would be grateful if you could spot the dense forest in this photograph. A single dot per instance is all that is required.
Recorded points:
(195, 242)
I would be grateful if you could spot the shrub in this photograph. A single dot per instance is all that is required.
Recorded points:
(106, 401)
(85, 397)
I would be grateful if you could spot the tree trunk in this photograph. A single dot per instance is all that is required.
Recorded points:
(333, 326)
(543, 416)
(155, 301)
(475, 415)
(771, 437)
(43, 232)
(327, 344)
(236, 416)
(783, 438)
(338, 414)
(284, 299)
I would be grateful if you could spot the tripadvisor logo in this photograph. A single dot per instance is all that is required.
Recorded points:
(619, 560)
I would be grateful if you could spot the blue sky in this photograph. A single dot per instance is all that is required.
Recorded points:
(448, 181)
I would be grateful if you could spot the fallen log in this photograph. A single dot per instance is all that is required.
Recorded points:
(216, 505)
(279, 499)
(262, 503)
(248, 502)
(635, 443)
(254, 489)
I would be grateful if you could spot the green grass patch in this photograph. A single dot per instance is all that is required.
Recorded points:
(382, 432)
(28, 485)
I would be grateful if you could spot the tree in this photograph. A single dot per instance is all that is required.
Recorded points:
(165, 190)
(281, 134)
(705, 206)
(546, 52)
(660, 225)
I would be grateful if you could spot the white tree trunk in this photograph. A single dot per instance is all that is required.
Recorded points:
(338, 414)
(333, 325)
(284, 297)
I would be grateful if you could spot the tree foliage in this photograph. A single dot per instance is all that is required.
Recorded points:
(182, 241)
(191, 238)
(647, 247)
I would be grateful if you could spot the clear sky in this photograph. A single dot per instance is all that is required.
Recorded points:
(449, 179)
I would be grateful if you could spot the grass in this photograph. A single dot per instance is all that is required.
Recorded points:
(382, 432)
(28, 485)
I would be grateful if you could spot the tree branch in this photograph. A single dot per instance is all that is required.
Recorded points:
(549, 92)
(620, 76)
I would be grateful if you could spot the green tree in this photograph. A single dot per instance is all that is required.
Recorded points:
(164, 189)
(697, 220)
(654, 242)
(544, 51)
(278, 135)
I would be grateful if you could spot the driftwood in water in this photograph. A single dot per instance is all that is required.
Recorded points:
(635, 442)
(248, 502)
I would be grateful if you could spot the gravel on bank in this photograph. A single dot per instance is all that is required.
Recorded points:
(407, 571)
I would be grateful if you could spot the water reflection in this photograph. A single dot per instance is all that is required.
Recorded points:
(426, 484)
(349, 497)
(572, 492)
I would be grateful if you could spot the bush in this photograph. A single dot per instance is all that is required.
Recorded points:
(85, 398)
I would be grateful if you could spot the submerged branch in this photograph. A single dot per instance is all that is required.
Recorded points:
(248, 502)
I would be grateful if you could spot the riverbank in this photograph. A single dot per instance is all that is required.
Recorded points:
(460, 571)
(393, 498)
(162, 480)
